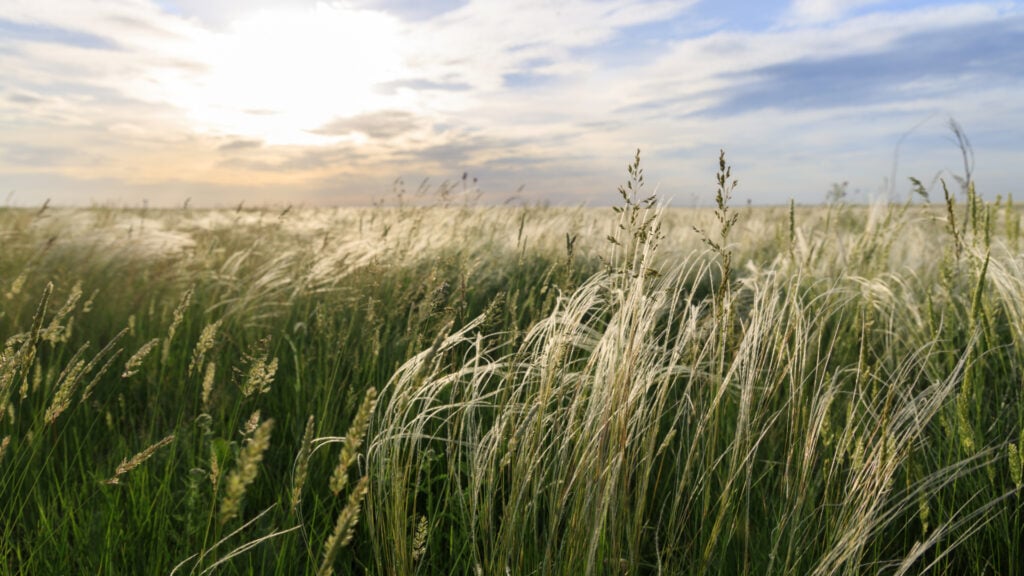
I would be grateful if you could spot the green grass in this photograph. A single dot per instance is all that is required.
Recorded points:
(458, 389)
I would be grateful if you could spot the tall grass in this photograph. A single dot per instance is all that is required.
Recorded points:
(827, 390)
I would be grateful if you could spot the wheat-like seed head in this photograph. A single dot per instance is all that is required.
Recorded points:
(251, 423)
(37, 381)
(214, 467)
(66, 386)
(419, 540)
(16, 286)
(207, 388)
(179, 316)
(56, 332)
(1016, 467)
(207, 339)
(131, 367)
(129, 464)
(259, 377)
(302, 464)
(245, 472)
(345, 527)
(353, 439)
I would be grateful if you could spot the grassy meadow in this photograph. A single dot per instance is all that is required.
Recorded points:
(461, 389)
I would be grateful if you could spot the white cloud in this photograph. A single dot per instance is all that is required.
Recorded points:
(279, 74)
(707, 64)
(816, 11)
(486, 39)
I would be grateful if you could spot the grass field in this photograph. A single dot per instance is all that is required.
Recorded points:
(461, 389)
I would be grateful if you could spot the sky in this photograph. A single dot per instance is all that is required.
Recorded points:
(300, 102)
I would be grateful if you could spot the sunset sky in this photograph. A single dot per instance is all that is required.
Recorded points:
(127, 102)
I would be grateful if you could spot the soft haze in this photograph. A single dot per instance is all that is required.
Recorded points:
(299, 102)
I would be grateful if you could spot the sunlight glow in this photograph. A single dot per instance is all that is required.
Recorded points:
(280, 74)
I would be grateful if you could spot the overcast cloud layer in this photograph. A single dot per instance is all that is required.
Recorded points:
(277, 102)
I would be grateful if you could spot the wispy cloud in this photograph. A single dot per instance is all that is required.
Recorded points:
(21, 31)
(241, 144)
(484, 41)
(815, 11)
(382, 125)
(931, 63)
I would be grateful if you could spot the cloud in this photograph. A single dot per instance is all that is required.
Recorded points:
(381, 125)
(929, 63)
(421, 85)
(484, 41)
(27, 156)
(725, 72)
(520, 80)
(555, 96)
(220, 14)
(86, 55)
(98, 24)
(26, 31)
(817, 11)
(455, 154)
(321, 62)
(25, 98)
(413, 10)
(299, 160)
(241, 144)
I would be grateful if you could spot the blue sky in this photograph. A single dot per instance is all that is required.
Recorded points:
(303, 102)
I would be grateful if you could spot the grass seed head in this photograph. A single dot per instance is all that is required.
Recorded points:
(353, 439)
(66, 386)
(57, 333)
(302, 464)
(1016, 466)
(131, 367)
(245, 471)
(259, 377)
(419, 541)
(345, 526)
(129, 464)
(207, 388)
(179, 316)
(207, 339)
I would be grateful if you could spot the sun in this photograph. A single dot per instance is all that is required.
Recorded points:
(279, 74)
